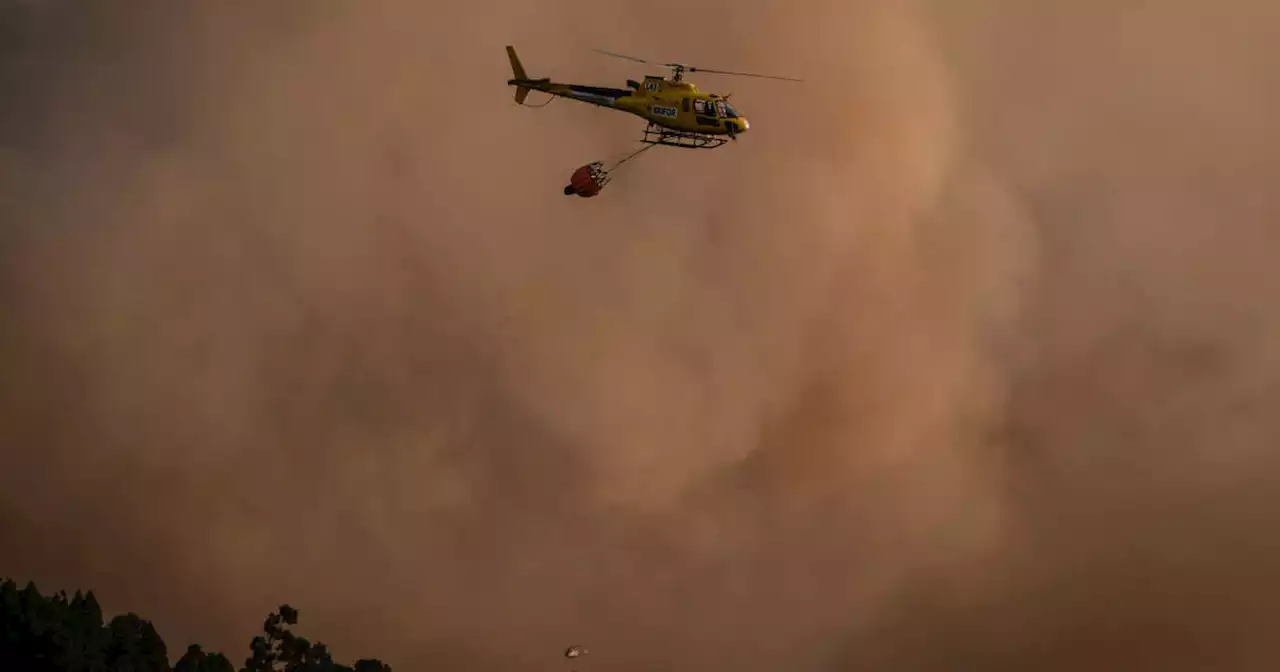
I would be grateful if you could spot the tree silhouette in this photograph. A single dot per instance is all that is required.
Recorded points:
(282, 651)
(135, 645)
(61, 634)
(52, 633)
(196, 660)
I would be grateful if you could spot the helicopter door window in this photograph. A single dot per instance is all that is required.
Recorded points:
(700, 106)
(720, 110)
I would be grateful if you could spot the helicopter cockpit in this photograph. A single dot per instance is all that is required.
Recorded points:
(716, 108)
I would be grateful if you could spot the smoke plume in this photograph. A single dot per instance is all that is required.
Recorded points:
(961, 358)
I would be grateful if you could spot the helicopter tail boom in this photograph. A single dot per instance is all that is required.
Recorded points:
(595, 95)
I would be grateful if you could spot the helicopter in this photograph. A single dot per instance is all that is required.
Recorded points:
(677, 112)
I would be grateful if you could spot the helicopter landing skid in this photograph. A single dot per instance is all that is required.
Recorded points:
(658, 135)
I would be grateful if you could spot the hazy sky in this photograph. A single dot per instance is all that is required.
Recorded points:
(965, 357)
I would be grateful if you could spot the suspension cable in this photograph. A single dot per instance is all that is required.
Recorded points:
(632, 155)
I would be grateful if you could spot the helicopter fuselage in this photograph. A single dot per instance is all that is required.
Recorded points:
(677, 105)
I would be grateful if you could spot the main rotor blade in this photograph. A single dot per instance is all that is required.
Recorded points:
(745, 74)
(693, 69)
(629, 58)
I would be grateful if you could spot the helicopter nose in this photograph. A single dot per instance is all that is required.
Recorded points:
(741, 124)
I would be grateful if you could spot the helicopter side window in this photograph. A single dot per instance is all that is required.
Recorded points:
(720, 111)
(700, 106)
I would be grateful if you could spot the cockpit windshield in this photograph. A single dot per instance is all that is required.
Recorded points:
(730, 112)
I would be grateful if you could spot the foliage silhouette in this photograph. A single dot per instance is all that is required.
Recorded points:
(67, 634)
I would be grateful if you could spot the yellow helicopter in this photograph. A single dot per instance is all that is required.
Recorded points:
(679, 114)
